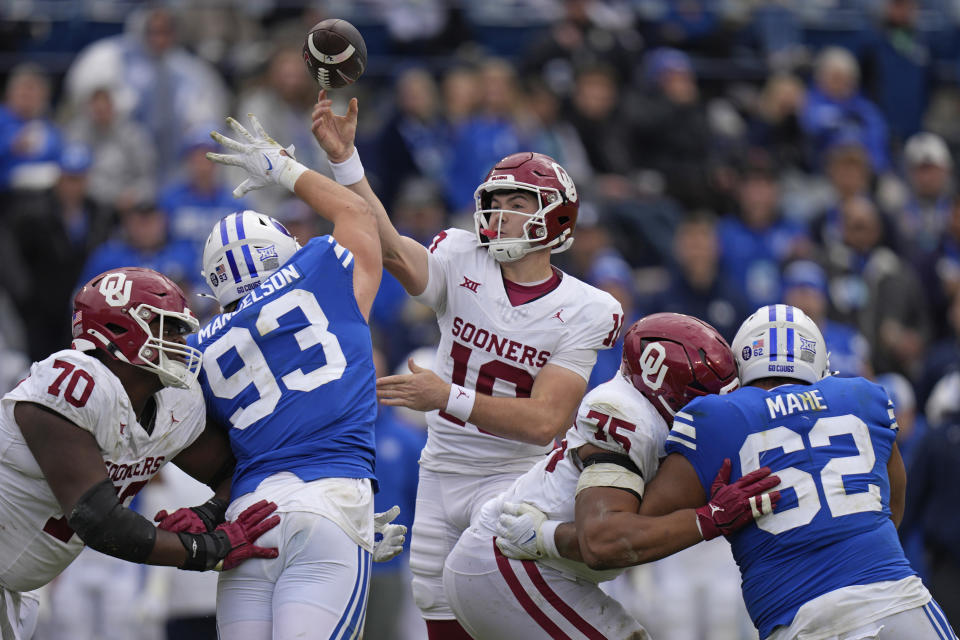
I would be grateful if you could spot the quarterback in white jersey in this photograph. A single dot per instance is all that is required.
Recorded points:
(617, 440)
(85, 431)
(519, 341)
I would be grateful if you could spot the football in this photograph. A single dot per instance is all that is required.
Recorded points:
(335, 53)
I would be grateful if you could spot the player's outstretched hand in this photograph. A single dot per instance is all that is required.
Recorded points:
(244, 531)
(199, 519)
(334, 133)
(421, 390)
(734, 506)
(260, 155)
(392, 537)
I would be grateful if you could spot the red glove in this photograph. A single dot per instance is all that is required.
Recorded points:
(734, 506)
(199, 519)
(244, 531)
(232, 542)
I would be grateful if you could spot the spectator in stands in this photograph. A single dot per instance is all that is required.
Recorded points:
(200, 197)
(414, 141)
(550, 133)
(756, 241)
(879, 291)
(835, 107)
(144, 241)
(53, 234)
(931, 486)
(124, 167)
(775, 125)
(596, 113)
(943, 355)
(849, 174)
(162, 85)
(589, 33)
(925, 216)
(697, 287)
(486, 136)
(30, 144)
(671, 133)
(898, 67)
(805, 287)
(285, 96)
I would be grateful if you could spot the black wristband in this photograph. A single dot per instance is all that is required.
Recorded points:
(204, 550)
(212, 513)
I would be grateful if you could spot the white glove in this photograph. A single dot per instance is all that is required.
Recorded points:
(524, 533)
(261, 156)
(391, 544)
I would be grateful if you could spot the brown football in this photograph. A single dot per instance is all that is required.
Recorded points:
(335, 53)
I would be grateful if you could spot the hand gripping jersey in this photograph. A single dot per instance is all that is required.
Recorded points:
(829, 443)
(291, 372)
(613, 416)
(37, 543)
(489, 345)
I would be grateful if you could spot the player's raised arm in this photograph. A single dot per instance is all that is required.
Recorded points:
(404, 258)
(355, 226)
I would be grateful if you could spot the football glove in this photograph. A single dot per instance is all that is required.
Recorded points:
(392, 536)
(231, 542)
(199, 519)
(734, 506)
(261, 156)
(524, 533)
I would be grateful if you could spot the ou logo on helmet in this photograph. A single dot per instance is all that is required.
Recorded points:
(652, 367)
(564, 178)
(116, 289)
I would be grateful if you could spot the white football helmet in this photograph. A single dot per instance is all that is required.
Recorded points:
(780, 341)
(243, 249)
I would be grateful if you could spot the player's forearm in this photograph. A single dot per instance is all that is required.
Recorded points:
(332, 201)
(402, 256)
(626, 539)
(565, 538)
(529, 420)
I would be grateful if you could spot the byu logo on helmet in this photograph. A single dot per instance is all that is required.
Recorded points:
(794, 346)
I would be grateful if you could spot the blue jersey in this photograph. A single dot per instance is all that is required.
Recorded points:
(829, 443)
(290, 371)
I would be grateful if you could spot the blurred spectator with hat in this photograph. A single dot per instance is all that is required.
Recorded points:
(201, 196)
(924, 217)
(836, 107)
(52, 235)
(672, 134)
(849, 173)
(124, 167)
(805, 287)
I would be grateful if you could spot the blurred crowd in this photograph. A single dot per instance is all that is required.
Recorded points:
(730, 154)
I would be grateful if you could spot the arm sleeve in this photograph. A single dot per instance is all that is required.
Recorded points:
(440, 253)
(600, 329)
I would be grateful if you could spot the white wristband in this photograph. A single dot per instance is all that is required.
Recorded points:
(546, 538)
(350, 171)
(460, 402)
(289, 173)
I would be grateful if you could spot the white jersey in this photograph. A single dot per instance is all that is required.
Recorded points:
(37, 543)
(489, 345)
(614, 416)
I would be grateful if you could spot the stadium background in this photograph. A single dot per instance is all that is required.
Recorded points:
(730, 153)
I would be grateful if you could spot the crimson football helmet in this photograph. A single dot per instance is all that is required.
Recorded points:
(672, 358)
(114, 310)
(550, 227)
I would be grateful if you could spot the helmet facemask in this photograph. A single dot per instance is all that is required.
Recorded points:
(534, 229)
(176, 364)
